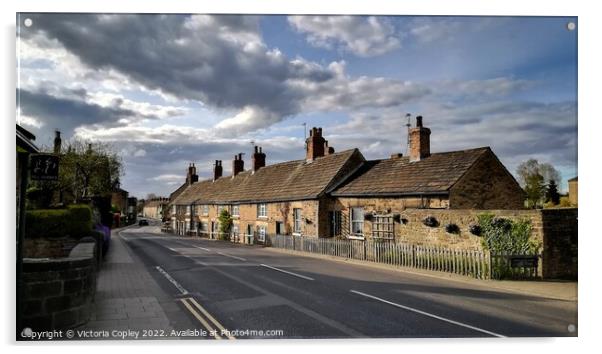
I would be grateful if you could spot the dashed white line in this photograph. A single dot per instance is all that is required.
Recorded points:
(287, 272)
(231, 256)
(429, 314)
(172, 280)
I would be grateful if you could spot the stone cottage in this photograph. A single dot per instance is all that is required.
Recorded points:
(342, 194)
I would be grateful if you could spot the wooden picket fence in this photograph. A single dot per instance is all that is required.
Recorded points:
(472, 263)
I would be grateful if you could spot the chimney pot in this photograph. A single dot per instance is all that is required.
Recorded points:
(315, 145)
(258, 159)
(420, 144)
(217, 170)
(238, 165)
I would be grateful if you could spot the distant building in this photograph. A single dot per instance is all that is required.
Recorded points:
(573, 187)
(154, 208)
(119, 200)
(342, 194)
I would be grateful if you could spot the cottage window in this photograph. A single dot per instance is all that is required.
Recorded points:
(262, 210)
(204, 228)
(335, 223)
(220, 208)
(188, 210)
(383, 227)
(235, 210)
(235, 232)
(298, 220)
(205, 209)
(357, 222)
(261, 233)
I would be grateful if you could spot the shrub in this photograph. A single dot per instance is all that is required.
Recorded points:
(225, 224)
(75, 221)
(506, 236)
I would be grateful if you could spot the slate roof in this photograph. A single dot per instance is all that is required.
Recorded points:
(398, 176)
(292, 180)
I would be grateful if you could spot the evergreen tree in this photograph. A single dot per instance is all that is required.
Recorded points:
(552, 194)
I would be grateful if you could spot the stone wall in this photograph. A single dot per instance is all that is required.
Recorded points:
(559, 228)
(276, 212)
(487, 185)
(58, 293)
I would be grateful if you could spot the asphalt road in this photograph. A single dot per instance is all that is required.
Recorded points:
(244, 290)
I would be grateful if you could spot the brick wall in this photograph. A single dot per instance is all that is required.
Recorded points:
(58, 293)
(487, 185)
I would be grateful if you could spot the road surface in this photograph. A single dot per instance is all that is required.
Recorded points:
(238, 291)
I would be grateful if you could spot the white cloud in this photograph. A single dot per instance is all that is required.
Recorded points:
(362, 36)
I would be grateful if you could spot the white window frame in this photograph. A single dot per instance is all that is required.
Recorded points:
(297, 221)
(236, 210)
(261, 232)
(188, 210)
(262, 210)
(353, 219)
(204, 209)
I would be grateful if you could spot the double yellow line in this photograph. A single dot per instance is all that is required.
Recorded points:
(218, 332)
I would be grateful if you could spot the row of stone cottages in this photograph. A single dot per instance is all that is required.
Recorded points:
(342, 194)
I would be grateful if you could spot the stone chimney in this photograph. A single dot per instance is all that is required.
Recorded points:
(57, 142)
(315, 144)
(420, 141)
(217, 170)
(258, 159)
(238, 165)
(328, 150)
(191, 176)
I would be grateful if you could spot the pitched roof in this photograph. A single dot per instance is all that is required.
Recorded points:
(292, 180)
(573, 179)
(398, 176)
(174, 195)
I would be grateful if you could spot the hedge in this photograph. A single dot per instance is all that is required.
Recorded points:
(75, 221)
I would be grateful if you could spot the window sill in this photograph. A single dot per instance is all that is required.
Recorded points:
(262, 217)
(356, 237)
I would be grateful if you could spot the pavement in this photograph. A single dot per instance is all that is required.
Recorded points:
(162, 282)
(128, 298)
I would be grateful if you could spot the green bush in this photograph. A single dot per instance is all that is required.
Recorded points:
(506, 236)
(225, 224)
(75, 221)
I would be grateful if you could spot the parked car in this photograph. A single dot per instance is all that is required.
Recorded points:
(143, 222)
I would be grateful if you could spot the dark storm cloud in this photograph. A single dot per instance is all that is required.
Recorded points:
(220, 60)
(68, 113)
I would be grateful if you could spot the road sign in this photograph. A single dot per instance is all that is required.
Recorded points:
(44, 167)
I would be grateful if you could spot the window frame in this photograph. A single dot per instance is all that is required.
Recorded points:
(262, 231)
(353, 220)
(261, 206)
(297, 219)
(237, 208)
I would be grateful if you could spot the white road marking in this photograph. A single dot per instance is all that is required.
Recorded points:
(287, 272)
(429, 314)
(203, 248)
(231, 256)
(172, 280)
(171, 249)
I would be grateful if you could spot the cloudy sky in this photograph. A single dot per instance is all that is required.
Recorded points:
(168, 90)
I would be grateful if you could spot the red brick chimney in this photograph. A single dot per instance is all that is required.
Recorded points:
(238, 165)
(217, 170)
(258, 159)
(315, 144)
(420, 141)
(191, 177)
